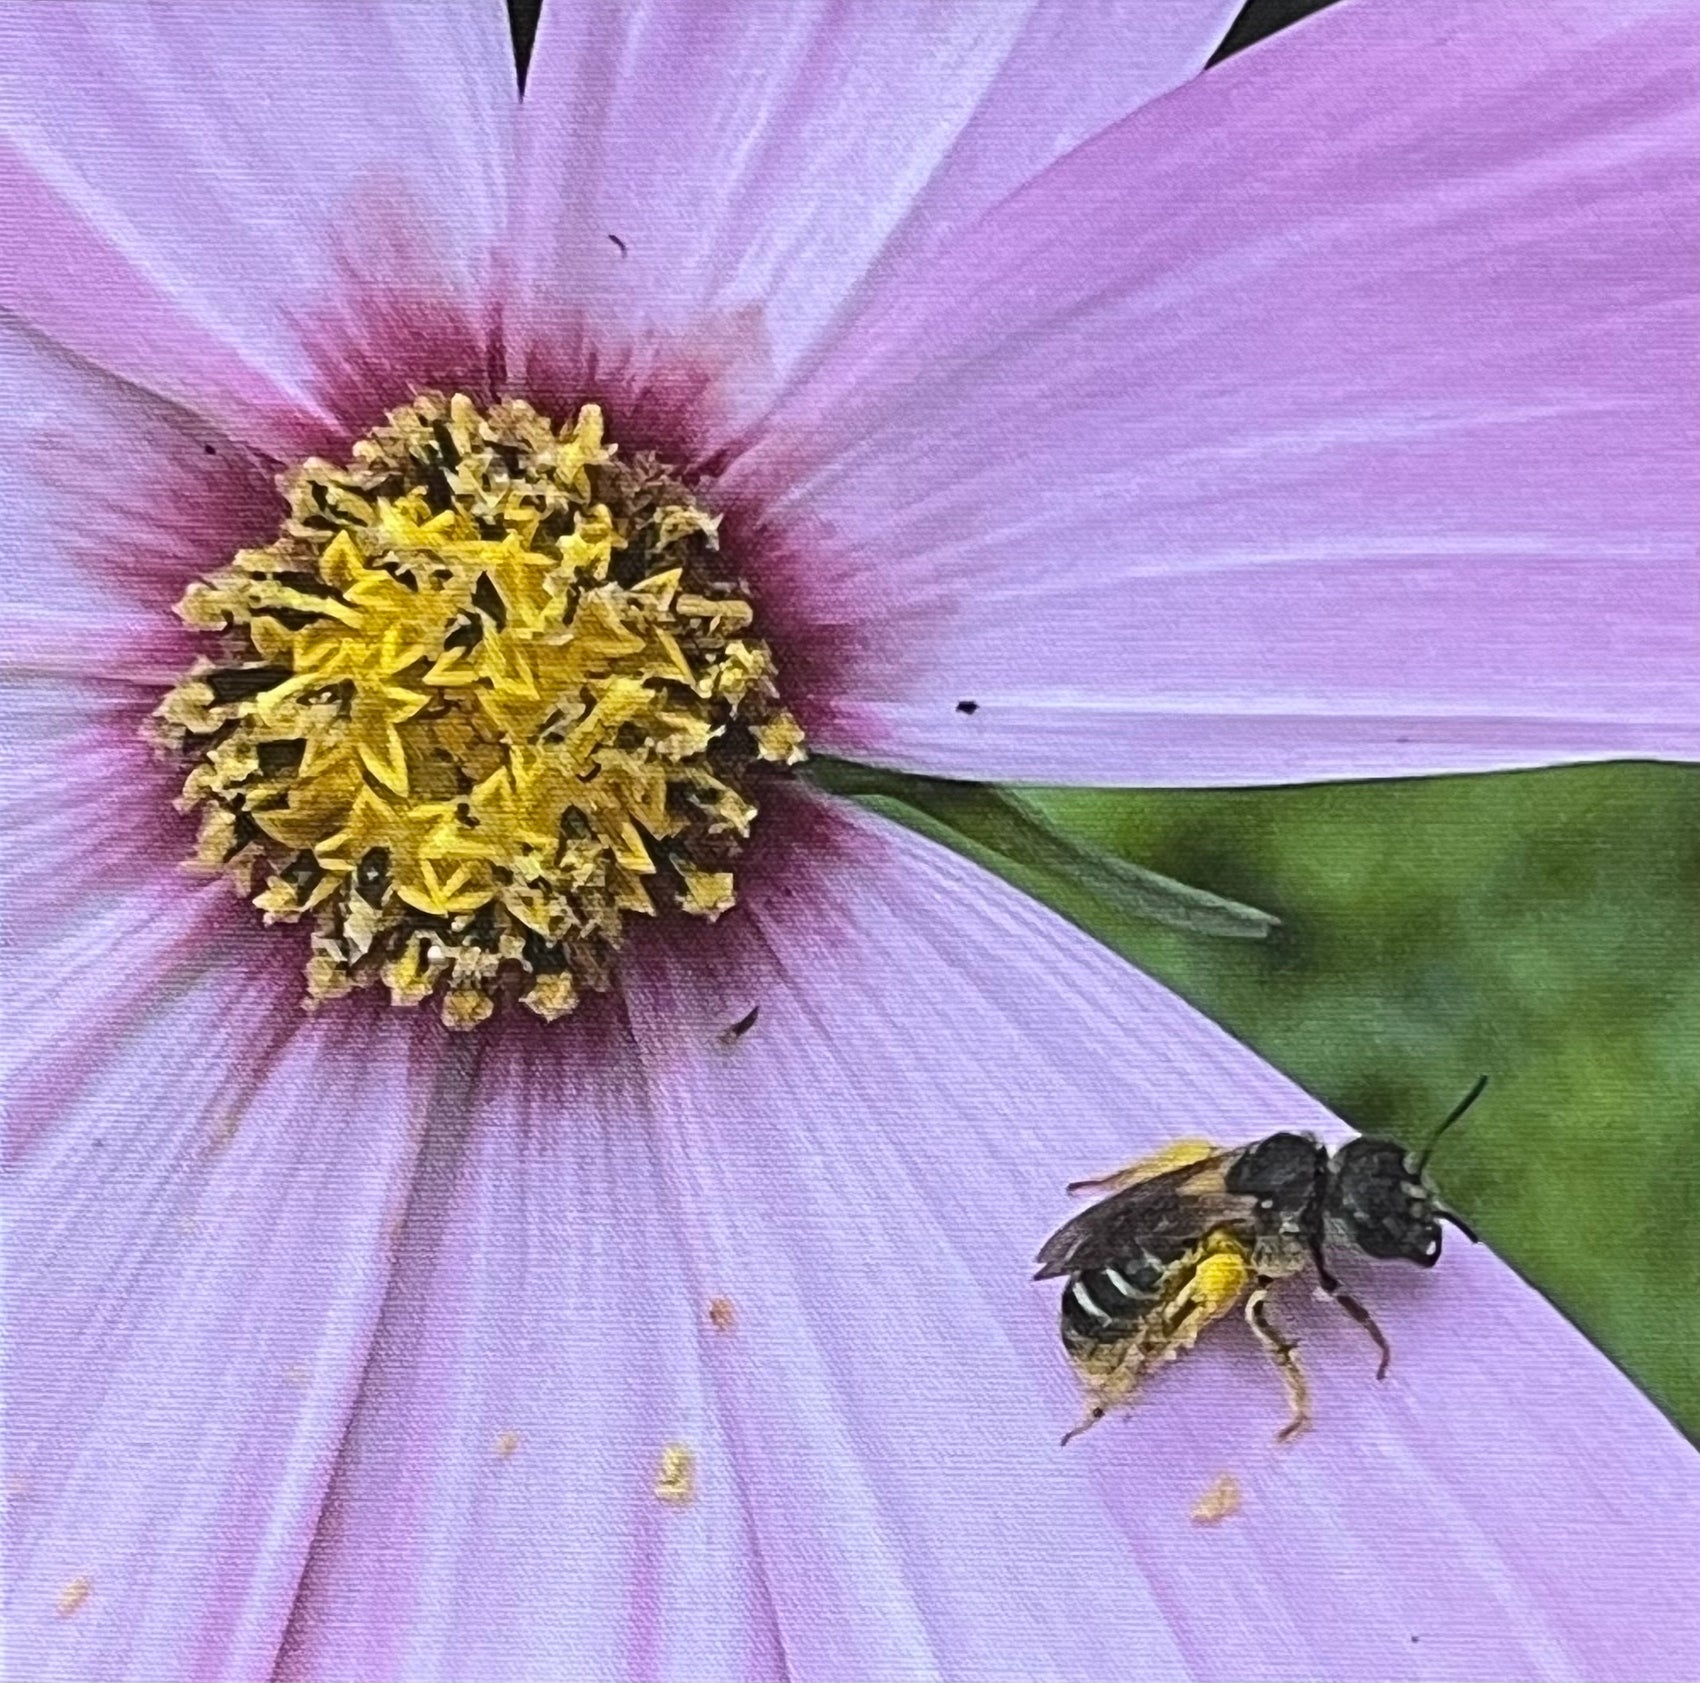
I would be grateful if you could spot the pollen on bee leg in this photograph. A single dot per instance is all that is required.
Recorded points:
(1221, 1276)
(489, 694)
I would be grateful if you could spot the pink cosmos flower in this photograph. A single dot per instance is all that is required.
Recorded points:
(1327, 415)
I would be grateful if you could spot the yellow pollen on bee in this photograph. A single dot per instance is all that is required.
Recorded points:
(485, 697)
(1214, 1279)
(676, 1481)
(1218, 1283)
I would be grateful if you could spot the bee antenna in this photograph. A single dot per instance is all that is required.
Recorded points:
(1457, 1111)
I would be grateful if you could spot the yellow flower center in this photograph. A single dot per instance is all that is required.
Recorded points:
(484, 696)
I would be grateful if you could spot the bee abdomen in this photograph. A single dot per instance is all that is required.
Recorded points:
(1102, 1305)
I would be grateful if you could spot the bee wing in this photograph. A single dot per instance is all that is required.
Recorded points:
(1167, 1211)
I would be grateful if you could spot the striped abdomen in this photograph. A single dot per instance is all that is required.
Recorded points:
(1107, 1305)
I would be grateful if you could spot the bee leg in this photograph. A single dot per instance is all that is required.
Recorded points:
(1283, 1352)
(1332, 1289)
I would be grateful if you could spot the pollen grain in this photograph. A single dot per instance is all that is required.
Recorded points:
(1221, 1501)
(676, 1482)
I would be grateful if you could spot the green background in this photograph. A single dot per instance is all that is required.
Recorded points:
(1537, 926)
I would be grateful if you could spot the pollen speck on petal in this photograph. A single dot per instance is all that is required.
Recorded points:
(722, 1315)
(72, 1596)
(506, 1444)
(1221, 1501)
(677, 1480)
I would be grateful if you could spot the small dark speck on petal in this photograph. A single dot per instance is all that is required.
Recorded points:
(619, 242)
(968, 707)
(210, 449)
(732, 1035)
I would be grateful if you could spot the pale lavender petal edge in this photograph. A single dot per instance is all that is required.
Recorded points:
(212, 182)
(711, 183)
(1286, 430)
(195, 1255)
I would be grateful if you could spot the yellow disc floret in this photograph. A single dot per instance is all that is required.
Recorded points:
(485, 695)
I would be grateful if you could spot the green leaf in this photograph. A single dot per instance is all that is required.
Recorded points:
(1000, 829)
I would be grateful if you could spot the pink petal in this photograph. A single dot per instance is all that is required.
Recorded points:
(192, 183)
(98, 921)
(714, 180)
(1290, 429)
(1072, 71)
(195, 1255)
(114, 500)
(165, 1274)
(865, 1174)
(494, 1512)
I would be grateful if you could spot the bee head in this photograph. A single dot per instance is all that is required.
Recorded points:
(1380, 1203)
(1380, 1199)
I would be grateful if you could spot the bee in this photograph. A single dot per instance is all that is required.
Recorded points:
(1187, 1236)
